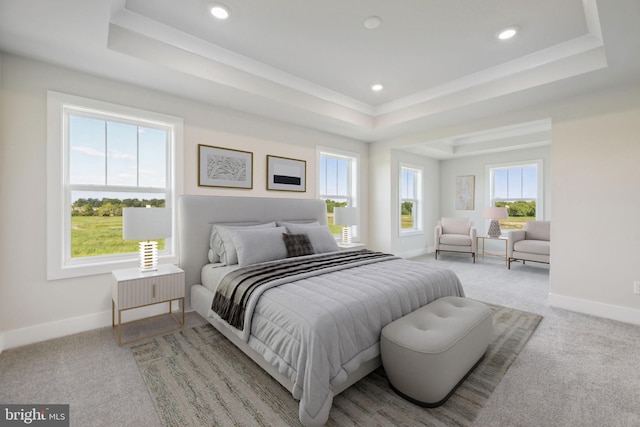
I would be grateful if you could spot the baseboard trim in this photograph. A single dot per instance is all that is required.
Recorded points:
(608, 311)
(74, 325)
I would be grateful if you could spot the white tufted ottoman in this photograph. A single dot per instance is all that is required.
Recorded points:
(429, 352)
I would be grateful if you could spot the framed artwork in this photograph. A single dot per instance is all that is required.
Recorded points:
(285, 174)
(224, 167)
(465, 192)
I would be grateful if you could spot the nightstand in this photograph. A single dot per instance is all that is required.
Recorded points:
(133, 289)
(352, 246)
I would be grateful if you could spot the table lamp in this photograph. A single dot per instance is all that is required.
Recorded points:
(345, 217)
(146, 224)
(495, 214)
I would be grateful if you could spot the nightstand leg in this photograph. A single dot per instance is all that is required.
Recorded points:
(119, 327)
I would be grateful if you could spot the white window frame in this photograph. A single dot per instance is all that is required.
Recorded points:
(417, 201)
(353, 184)
(59, 262)
(521, 164)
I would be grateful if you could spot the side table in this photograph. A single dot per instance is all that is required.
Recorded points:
(133, 289)
(504, 239)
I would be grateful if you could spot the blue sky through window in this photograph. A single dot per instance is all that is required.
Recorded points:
(516, 183)
(408, 184)
(110, 153)
(334, 176)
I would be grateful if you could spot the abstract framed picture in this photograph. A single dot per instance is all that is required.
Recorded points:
(465, 192)
(285, 174)
(224, 167)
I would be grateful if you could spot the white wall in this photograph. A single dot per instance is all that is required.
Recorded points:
(384, 163)
(380, 187)
(477, 166)
(32, 308)
(596, 213)
(591, 196)
(415, 244)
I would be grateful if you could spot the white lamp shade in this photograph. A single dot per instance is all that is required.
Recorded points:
(146, 223)
(495, 213)
(345, 216)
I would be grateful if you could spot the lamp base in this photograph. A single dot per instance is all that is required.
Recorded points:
(346, 235)
(148, 255)
(494, 229)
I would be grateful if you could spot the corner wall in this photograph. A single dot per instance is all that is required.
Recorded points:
(477, 166)
(596, 200)
(35, 309)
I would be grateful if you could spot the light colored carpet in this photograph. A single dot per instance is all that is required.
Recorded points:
(575, 370)
(197, 377)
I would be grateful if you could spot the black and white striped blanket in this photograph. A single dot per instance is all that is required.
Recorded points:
(235, 289)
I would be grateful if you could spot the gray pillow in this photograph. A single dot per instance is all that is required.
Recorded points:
(319, 235)
(259, 245)
(222, 242)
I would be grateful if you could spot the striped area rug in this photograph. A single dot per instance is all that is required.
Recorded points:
(196, 377)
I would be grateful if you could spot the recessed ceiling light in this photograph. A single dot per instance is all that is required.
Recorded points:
(219, 11)
(372, 22)
(507, 33)
(377, 87)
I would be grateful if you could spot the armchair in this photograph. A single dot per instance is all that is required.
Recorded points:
(456, 235)
(530, 244)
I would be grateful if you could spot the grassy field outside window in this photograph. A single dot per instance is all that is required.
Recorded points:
(100, 235)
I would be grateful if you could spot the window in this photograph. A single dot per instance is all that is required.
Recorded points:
(519, 188)
(102, 158)
(337, 182)
(410, 199)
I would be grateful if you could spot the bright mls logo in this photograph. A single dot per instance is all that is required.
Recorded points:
(35, 415)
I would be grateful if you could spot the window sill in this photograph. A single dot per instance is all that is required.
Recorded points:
(410, 233)
(97, 268)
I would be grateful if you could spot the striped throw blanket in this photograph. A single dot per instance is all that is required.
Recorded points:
(235, 289)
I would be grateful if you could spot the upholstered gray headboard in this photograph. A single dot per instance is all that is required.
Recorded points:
(196, 214)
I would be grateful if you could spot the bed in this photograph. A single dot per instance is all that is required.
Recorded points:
(316, 333)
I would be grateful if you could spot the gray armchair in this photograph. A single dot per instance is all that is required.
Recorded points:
(456, 235)
(530, 244)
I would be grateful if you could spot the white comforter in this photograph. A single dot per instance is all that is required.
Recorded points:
(319, 329)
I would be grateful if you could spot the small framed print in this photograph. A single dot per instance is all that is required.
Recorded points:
(224, 167)
(285, 174)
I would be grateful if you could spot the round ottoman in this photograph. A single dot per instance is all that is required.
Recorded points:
(429, 352)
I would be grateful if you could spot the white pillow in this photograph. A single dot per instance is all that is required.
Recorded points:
(319, 235)
(215, 242)
(297, 222)
(222, 242)
(259, 245)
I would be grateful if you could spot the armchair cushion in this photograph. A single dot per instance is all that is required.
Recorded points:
(540, 247)
(455, 239)
(538, 230)
(456, 225)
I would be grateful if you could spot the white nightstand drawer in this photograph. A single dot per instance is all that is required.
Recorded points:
(132, 288)
(138, 292)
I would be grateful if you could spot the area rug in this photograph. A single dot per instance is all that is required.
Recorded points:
(196, 377)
